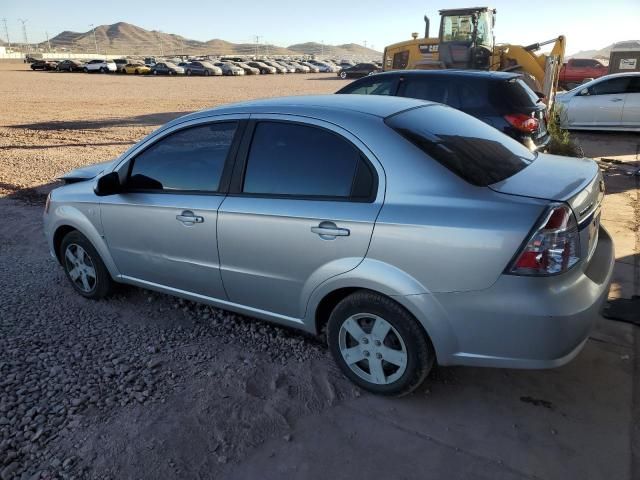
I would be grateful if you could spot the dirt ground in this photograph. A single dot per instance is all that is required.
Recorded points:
(146, 386)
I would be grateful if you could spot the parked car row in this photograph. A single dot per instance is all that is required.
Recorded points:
(235, 66)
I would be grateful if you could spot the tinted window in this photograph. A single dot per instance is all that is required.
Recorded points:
(371, 86)
(401, 60)
(581, 63)
(634, 85)
(514, 93)
(471, 149)
(473, 96)
(608, 87)
(431, 89)
(191, 159)
(292, 159)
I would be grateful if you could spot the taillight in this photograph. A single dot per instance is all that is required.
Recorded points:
(46, 203)
(522, 122)
(554, 246)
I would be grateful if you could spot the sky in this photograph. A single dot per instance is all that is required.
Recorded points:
(587, 25)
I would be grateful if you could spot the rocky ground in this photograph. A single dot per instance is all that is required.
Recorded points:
(147, 386)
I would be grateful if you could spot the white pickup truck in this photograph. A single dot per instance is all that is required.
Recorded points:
(102, 66)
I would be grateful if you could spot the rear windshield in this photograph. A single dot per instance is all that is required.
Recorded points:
(473, 150)
(517, 93)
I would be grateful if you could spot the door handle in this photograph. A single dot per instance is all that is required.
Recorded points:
(188, 218)
(329, 230)
(617, 99)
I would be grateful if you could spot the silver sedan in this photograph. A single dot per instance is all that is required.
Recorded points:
(408, 232)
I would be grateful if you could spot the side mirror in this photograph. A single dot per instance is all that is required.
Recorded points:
(584, 92)
(108, 184)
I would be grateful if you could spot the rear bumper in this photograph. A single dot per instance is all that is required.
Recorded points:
(527, 322)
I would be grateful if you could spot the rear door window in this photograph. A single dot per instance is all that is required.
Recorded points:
(188, 160)
(473, 150)
(290, 159)
(432, 89)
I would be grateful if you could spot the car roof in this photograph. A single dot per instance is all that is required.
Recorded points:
(317, 106)
(455, 73)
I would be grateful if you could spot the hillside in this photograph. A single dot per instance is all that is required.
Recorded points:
(125, 38)
(346, 50)
(603, 52)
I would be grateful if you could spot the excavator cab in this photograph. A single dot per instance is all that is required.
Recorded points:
(466, 37)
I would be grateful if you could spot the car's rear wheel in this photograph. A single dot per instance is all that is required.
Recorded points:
(84, 267)
(188, 73)
(85, 70)
(378, 344)
(343, 75)
(103, 70)
(206, 73)
(155, 72)
(136, 72)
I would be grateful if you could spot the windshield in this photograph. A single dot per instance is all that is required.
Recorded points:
(459, 28)
(473, 150)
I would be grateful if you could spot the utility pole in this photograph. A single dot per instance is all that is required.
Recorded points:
(95, 42)
(24, 34)
(322, 48)
(365, 44)
(6, 32)
(160, 41)
(48, 43)
(257, 45)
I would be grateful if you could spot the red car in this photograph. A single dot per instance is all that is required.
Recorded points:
(576, 70)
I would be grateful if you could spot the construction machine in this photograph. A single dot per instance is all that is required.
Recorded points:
(466, 41)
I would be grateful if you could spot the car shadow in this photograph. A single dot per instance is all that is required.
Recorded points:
(148, 120)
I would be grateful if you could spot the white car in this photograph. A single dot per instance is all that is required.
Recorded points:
(99, 65)
(611, 102)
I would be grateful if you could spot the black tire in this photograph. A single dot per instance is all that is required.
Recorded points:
(136, 72)
(420, 355)
(85, 70)
(103, 70)
(188, 73)
(103, 284)
(155, 72)
(343, 75)
(206, 73)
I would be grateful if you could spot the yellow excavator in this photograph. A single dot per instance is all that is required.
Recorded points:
(466, 41)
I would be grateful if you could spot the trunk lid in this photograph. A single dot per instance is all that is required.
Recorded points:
(575, 181)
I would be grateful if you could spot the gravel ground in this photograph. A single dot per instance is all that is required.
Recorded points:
(79, 378)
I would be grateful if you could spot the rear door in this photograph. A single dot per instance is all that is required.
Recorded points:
(301, 209)
(602, 105)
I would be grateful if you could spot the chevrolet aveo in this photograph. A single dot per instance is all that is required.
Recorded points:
(409, 232)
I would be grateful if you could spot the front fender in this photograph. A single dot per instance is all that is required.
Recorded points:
(86, 219)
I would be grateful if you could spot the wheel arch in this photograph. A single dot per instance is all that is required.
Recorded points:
(386, 280)
(75, 221)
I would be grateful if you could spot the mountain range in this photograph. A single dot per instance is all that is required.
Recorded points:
(127, 39)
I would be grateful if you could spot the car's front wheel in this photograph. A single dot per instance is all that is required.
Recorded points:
(343, 75)
(84, 267)
(378, 344)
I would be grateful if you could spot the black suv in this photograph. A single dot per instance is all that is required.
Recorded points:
(501, 99)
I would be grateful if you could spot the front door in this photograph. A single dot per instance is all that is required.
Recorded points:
(163, 228)
(601, 107)
(304, 211)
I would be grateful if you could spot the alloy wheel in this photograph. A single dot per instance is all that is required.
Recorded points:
(372, 348)
(80, 267)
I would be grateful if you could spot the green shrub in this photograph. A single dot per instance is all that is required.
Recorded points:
(561, 142)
